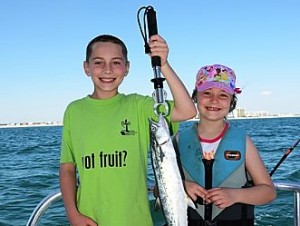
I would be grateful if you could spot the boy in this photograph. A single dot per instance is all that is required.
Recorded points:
(106, 139)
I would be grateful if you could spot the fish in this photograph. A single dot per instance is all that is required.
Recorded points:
(172, 196)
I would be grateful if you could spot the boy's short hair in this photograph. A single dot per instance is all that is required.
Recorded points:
(106, 38)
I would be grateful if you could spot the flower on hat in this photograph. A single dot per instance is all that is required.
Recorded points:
(237, 90)
(218, 76)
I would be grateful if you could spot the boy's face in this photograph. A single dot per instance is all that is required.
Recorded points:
(107, 68)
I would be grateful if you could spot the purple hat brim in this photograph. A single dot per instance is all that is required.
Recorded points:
(220, 85)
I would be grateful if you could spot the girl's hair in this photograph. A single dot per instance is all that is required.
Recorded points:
(106, 38)
(232, 103)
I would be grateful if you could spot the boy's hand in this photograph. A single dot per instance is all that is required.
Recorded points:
(82, 220)
(159, 47)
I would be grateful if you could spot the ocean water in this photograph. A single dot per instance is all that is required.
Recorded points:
(29, 164)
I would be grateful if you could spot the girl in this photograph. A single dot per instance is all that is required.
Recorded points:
(218, 159)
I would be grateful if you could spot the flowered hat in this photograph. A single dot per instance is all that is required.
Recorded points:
(218, 76)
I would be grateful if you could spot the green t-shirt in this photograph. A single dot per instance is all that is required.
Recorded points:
(108, 140)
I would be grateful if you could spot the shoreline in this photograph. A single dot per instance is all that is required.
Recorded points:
(44, 124)
(25, 125)
(268, 116)
(256, 117)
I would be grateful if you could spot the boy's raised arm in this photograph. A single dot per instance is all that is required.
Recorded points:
(184, 107)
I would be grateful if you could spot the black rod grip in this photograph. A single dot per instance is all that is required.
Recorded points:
(152, 30)
(152, 24)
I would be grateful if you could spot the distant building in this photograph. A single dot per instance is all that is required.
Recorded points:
(239, 112)
(257, 114)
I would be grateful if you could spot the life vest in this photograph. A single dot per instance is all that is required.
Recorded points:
(228, 169)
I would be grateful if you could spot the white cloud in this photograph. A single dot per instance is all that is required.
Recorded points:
(266, 93)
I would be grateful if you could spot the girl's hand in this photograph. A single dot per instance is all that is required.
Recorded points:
(194, 190)
(222, 197)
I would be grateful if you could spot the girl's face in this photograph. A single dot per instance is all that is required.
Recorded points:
(107, 68)
(213, 103)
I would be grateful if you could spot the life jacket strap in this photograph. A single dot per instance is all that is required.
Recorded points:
(198, 222)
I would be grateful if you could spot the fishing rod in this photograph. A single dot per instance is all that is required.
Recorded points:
(159, 93)
(287, 152)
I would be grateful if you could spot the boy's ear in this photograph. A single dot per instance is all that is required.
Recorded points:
(127, 68)
(86, 68)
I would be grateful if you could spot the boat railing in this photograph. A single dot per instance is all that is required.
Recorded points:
(46, 202)
(41, 208)
(295, 188)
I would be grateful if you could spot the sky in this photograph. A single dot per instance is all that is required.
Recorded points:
(42, 49)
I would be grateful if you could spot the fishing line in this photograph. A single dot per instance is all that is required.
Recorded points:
(143, 30)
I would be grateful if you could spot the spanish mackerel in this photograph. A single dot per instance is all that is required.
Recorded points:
(172, 195)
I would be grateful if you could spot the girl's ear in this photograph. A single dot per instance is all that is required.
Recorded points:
(233, 103)
(194, 95)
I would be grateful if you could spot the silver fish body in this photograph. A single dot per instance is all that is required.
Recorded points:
(172, 195)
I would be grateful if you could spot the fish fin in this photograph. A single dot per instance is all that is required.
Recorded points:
(157, 204)
(190, 203)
